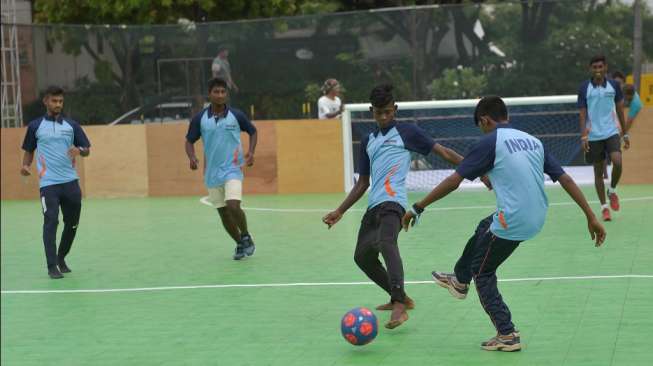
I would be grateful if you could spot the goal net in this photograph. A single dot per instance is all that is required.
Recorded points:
(553, 119)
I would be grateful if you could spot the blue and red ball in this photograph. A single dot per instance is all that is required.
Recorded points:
(359, 326)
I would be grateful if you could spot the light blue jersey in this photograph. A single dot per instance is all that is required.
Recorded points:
(52, 138)
(221, 139)
(385, 154)
(599, 100)
(515, 162)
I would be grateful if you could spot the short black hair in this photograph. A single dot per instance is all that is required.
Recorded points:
(381, 95)
(598, 58)
(629, 89)
(618, 74)
(216, 82)
(491, 106)
(54, 90)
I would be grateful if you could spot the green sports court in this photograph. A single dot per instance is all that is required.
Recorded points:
(153, 283)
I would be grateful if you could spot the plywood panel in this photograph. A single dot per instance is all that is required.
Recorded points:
(262, 177)
(168, 168)
(638, 160)
(12, 184)
(309, 156)
(117, 166)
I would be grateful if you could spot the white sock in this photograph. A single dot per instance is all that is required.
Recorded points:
(604, 206)
(612, 190)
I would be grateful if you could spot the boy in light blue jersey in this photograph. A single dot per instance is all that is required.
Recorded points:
(385, 155)
(219, 127)
(57, 141)
(515, 163)
(602, 127)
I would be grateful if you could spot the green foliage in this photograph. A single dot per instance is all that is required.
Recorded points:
(459, 83)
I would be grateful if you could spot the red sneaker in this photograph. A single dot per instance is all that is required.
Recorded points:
(614, 201)
(606, 214)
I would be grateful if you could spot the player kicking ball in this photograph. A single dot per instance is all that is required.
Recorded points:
(515, 162)
(385, 154)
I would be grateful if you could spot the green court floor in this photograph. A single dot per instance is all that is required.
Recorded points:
(162, 266)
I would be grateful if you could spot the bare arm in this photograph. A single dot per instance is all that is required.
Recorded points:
(620, 115)
(190, 152)
(356, 193)
(584, 134)
(249, 157)
(28, 157)
(597, 232)
(445, 187)
(624, 125)
(447, 154)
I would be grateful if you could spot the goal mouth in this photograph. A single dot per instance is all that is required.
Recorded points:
(552, 119)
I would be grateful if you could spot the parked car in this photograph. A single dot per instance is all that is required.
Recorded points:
(160, 113)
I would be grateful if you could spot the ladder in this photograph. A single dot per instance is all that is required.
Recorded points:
(12, 110)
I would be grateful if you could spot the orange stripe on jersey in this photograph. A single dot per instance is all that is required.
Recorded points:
(235, 161)
(43, 167)
(502, 220)
(388, 186)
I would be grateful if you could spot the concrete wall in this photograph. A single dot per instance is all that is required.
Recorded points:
(296, 156)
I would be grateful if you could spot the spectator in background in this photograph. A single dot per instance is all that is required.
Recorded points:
(329, 105)
(221, 69)
(631, 98)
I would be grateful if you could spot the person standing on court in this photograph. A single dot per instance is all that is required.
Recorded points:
(57, 141)
(329, 105)
(602, 127)
(219, 127)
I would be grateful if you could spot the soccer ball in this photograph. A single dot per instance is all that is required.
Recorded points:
(359, 326)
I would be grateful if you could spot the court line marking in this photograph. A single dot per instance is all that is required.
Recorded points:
(299, 284)
(204, 200)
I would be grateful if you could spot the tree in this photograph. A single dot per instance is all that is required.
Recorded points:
(126, 42)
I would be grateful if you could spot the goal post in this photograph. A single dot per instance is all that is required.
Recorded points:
(553, 119)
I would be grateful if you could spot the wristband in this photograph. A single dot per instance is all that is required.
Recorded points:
(417, 212)
(626, 136)
(416, 209)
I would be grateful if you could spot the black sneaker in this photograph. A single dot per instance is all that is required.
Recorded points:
(503, 343)
(240, 251)
(449, 281)
(54, 273)
(63, 267)
(248, 245)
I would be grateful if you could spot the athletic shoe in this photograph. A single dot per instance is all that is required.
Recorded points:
(614, 201)
(398, 316)
(449, 281)
(248, 245)
(63, 267)
(503, 343)
(410, 305)
(54, 273)
(240, 251)
(606, 214)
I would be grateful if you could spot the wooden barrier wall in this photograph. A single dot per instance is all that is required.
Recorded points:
(638, 161)
(297, 156)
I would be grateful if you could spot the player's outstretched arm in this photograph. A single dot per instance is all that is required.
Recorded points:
(445, 187)
(447, 154)
(356, 193)
(597, 232)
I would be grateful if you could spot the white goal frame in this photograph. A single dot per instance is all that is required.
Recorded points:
(348, 154)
